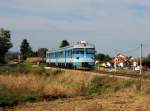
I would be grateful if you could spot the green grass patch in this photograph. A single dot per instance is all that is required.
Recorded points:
(11, 69)
(7, 97)
(54, 72)
(97, 86)
(12, 97)
(100, 85)
(32, 98)
(21, 68)
(37, 70)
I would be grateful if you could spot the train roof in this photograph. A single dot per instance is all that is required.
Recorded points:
(81, 44)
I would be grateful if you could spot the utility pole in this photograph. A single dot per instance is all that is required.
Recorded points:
(141, 49)
(115, 66)
(140, 75)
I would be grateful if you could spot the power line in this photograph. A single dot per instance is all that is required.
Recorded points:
(115, 51)
(146, 44)
(131, 50)
(126, 51)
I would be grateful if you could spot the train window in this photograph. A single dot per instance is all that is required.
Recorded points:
(57, 54)
(90, 51)
(79, 51)
(69, 53)
(61, 54)
(52, 55)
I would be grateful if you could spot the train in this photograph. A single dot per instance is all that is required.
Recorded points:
(79, 56)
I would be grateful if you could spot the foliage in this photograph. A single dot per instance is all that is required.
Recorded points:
(98, 85)
(5, 43)
(32, 98)
(102, 57)
(42, 52)
(64, 43)
(12, 97)
(7, 97)
(57, 71)
(34, 54)
(11, 56)
(23, 68)
(37, 70)
(25, 49)
(11, 69)
(146, 61)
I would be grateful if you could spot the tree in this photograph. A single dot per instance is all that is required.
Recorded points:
(42, 52)
(11, 56)
(25, 49)
(5, 43)
(146, 61)
(64, 43)
(102, 57)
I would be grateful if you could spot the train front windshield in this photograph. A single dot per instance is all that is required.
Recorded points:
(79, 51)
(90, 51)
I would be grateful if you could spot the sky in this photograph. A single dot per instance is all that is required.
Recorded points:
(112, 25)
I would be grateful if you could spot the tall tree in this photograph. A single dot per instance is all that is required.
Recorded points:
(11, 56)
(5, 43)
(25, 49)
(42, 52)
(64, 43)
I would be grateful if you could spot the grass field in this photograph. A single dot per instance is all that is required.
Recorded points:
(56, 90)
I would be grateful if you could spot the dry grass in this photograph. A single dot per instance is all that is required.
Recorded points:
(125, 100)
(21, 81)
(73, 84)
(66, 84)
(61, 107)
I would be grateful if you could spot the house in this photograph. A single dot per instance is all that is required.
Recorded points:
(120, 60)
(34, 60)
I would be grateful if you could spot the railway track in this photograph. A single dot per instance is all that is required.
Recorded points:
(111, 74)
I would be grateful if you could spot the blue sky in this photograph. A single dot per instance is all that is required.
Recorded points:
(109, 24)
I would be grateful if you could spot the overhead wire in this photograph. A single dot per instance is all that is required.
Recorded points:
(146, 44)
(126, 51)
(129, 50)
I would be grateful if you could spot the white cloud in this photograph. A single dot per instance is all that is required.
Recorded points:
(105, 20)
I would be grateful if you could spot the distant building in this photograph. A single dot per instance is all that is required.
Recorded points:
(34, 60)
(120, 60)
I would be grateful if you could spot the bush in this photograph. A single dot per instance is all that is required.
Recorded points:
(23, 68)
(98, 85)
(37, 70)
(20, 68)
(31, 98)
(54, 72)
(12, 97)
(7, 97)
(57, 71)
(101, 85)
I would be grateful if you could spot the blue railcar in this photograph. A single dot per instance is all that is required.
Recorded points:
(80, 55)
